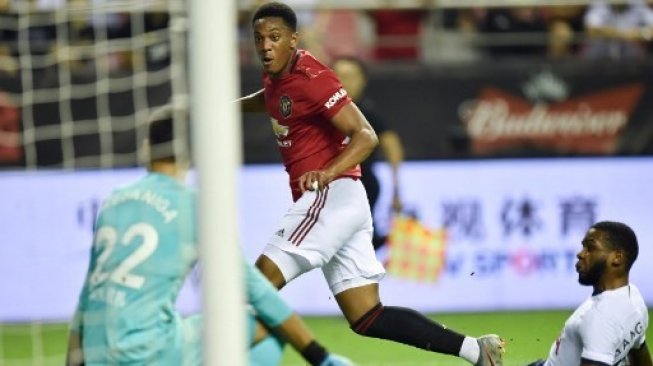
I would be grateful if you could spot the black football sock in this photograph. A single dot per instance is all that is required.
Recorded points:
(408, 327)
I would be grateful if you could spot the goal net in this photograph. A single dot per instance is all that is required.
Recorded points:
(78, 80)
(83, 77)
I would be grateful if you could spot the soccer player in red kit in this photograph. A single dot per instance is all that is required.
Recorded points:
(323, 137)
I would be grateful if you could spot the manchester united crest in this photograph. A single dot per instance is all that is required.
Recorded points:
(285, 106)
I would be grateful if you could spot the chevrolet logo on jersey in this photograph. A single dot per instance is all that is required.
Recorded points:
(285, 106)
(281, 132)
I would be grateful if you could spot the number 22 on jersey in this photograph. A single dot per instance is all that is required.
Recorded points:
(106, 239)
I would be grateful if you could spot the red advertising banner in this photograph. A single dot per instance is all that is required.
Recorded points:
(585, 124)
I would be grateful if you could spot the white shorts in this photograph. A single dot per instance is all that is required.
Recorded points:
(330, 229)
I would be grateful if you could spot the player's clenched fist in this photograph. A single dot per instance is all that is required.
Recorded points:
(314, 180)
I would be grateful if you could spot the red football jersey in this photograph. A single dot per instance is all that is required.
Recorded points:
(300, 105)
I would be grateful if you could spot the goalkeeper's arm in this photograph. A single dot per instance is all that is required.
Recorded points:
(75, 354)
(275, 314)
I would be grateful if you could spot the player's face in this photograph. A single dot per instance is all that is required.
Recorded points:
(592, 258)
(351, 76)
(275, 45)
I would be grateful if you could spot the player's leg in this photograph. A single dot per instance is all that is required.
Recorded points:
(280, 266)
(367, 316)
(271, 271)
(311, 232)
(399, 324)
(353, 274)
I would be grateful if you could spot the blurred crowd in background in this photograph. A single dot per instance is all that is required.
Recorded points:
(391, 32)
(378, 31)
(73, 37)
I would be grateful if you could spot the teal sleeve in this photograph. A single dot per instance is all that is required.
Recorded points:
(270, 308)
(77, 323)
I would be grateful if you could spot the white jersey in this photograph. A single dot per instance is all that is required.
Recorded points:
(603, 329)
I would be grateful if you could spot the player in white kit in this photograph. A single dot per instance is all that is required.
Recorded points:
(609, 327)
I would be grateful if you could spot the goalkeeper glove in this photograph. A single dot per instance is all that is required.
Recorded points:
(336, 360)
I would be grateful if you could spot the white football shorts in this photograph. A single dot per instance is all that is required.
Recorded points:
(329, 229)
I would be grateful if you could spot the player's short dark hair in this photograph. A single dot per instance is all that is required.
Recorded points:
(353, 59)
(277, 9)
(161, 133)
(620, 236)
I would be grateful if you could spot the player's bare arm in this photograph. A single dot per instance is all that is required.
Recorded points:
(351, 122)
(295, 332)
(640, 357)
(253, 103)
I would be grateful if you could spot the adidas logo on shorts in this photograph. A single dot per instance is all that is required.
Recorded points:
(279, 233)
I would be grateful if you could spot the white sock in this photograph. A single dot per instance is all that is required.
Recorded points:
(470, 350)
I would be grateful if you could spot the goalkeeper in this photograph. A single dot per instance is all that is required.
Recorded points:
(144, 247)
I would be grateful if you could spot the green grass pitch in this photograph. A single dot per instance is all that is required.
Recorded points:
(528, 335)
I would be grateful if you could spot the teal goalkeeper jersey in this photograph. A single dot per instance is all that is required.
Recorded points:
(143, 249)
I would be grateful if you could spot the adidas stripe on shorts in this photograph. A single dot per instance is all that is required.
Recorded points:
(329, 229)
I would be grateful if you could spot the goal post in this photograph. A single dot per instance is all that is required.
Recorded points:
(214, 82)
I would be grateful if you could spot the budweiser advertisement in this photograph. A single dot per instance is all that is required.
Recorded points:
(586, 124)
(589, 124)
(506, 109)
